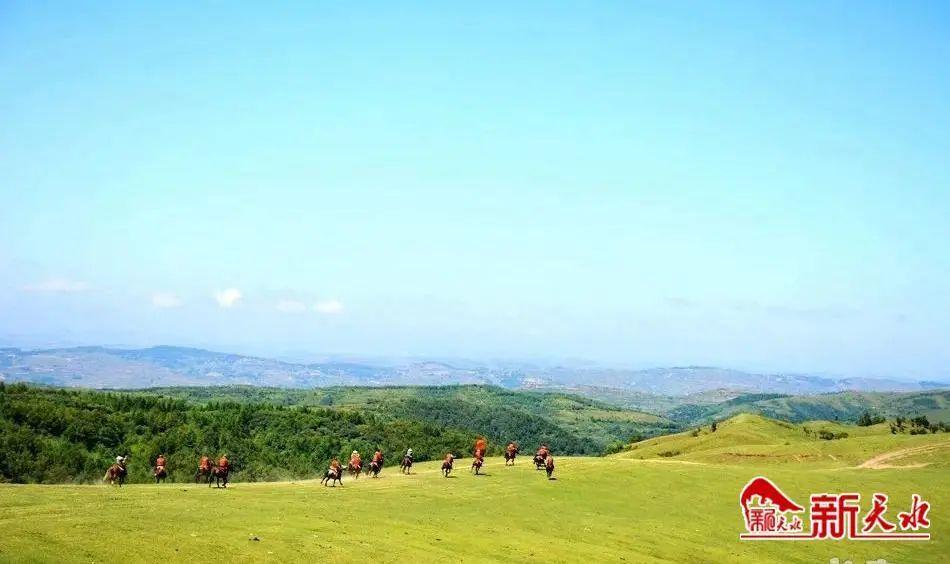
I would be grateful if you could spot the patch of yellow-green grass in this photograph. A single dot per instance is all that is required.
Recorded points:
(609, 509)
(756, 439)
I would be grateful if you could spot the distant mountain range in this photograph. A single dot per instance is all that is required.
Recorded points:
(101, 367)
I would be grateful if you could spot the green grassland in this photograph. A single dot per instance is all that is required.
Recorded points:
(680, 508)
(765, 441)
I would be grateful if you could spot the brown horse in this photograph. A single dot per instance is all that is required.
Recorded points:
(406, 464)
(204, 472)
(477, 464)
(510, 456)
(220, 475)
(116, 474)
(447, 467)
(539, 461)
(354, 470)
(160, 474)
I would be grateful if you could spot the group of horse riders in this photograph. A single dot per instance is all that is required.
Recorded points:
(206, 468)
(220, 471)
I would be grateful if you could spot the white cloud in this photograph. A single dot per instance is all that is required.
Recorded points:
(164, 300)
(57, 286)
(328, 307)
(291, 306)
(228, 297)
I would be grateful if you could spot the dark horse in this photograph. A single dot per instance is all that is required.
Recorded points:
(160, 474)
(406, 464)
(446, 467)
(220, 475)
(334, 475)
(374, 468)
(539, 462)
(549, 466)
(204, 472)
(116, 474)
(477, 465)
(510, 456)
(354, 470)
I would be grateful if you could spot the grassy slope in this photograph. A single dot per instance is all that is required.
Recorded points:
(600, 509)
(755, 438)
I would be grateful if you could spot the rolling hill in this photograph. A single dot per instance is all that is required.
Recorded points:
(767, 443)
(612, 509)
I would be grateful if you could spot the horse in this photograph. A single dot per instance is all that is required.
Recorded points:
(477, 465)
(354, 470)
(334, 475)
(549, 466)
(406, 464)
(539, 462)
(220, 475)
(510, 456)
(116, 473)
(204, 472)
(446, 467)
(160, 474)
(374, 468)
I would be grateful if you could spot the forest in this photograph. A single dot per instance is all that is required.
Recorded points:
(50, 435)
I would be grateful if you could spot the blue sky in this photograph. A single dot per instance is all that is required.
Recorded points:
(755, 185)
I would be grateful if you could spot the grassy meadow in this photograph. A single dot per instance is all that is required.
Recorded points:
(680, 508)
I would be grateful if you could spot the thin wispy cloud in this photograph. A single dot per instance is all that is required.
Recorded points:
(228, 298)
(166, 300)
(328, 307)
(57, 286)
(291, 306)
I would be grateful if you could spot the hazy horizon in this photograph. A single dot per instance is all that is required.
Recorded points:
(759, 187)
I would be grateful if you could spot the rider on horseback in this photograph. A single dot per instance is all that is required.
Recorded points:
(335, 467)
(223, 463)
(481, 445)
(160, 463)
(355, 460)
(205, 463)
(408, 455)
(549, 465)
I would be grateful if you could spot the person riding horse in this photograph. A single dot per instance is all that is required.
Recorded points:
(220, 472)
(334, 473)
(511, 451)
(376, 464)
(549, 465)
(204, 468)
(118, 471)
(159, 471)
(540, 456)
(447, 464)
(406, 461)
(356, 464)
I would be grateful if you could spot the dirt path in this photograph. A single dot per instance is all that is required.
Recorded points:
(883, 460)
